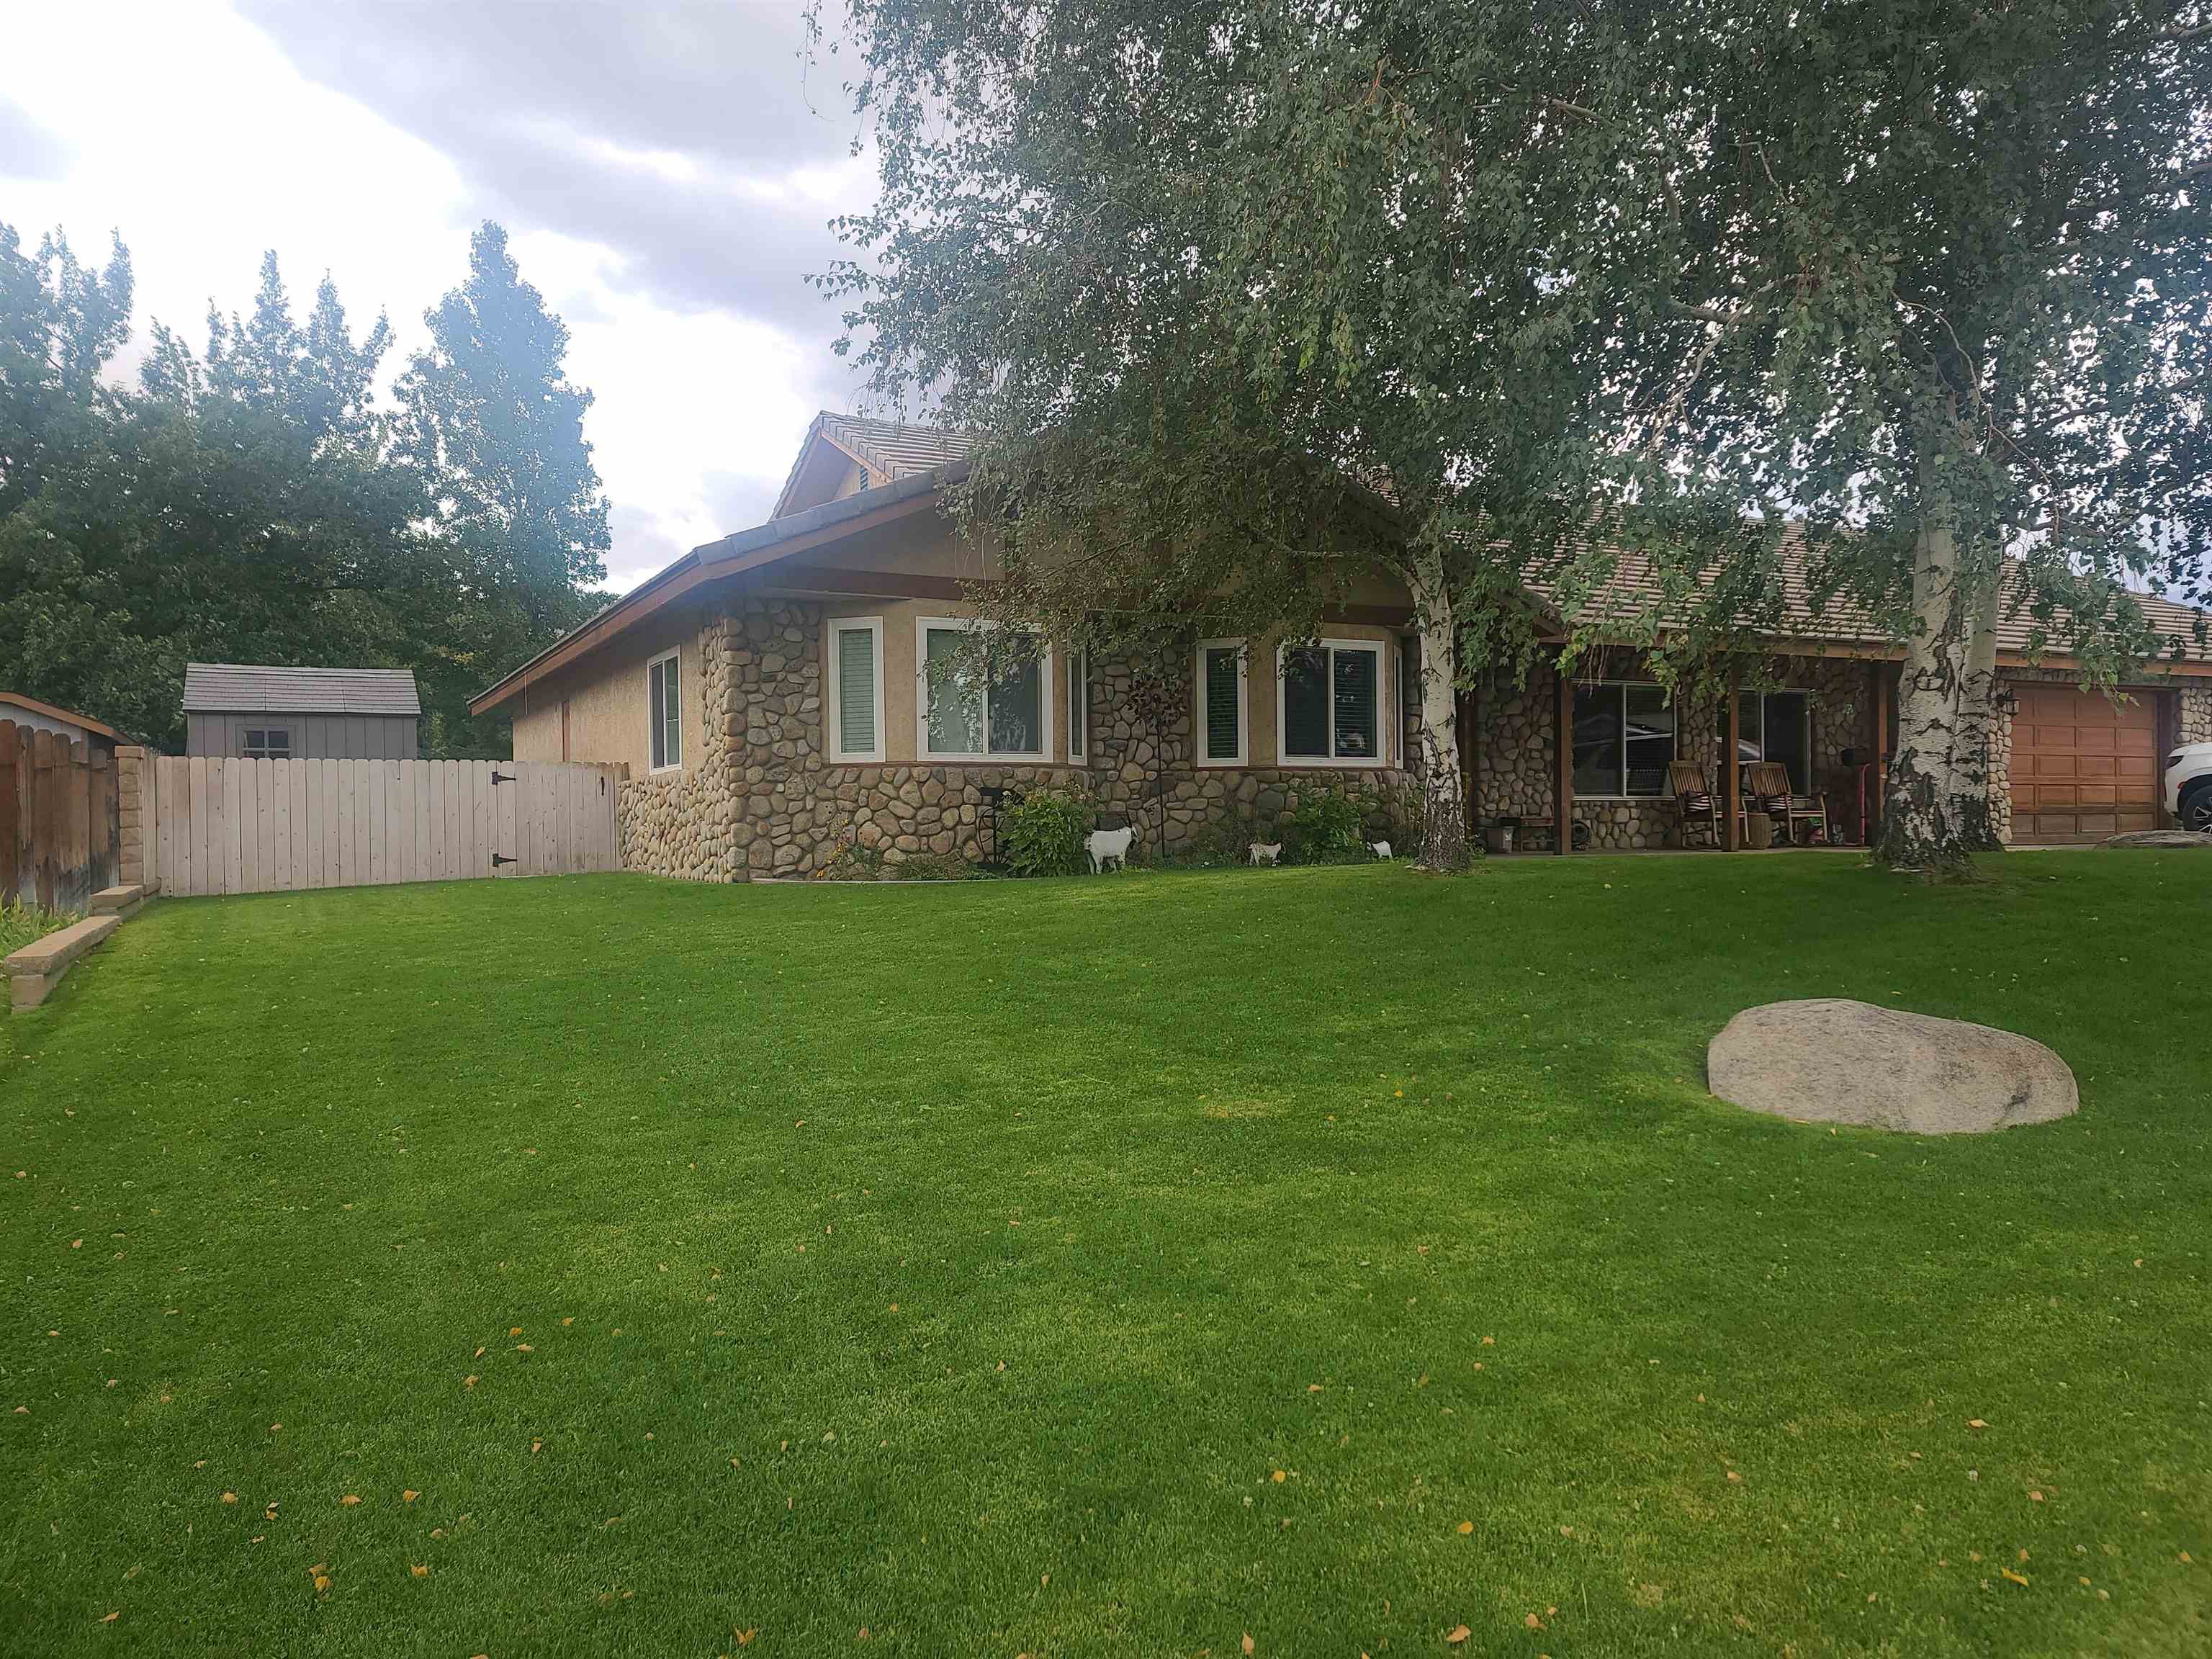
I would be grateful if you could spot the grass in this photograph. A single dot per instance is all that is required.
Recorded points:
(19, 924)
(1103, 1266)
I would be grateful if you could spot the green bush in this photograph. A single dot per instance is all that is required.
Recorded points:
(1326, 827)
(1043, 834)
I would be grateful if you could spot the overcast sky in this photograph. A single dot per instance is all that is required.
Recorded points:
(666, 173)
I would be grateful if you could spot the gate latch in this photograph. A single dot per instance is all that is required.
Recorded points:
(496, 860)
(498, 777)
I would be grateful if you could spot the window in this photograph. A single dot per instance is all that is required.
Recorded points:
(1079, 705)
(665, 710)
(966, 713)
(1773, 726)
(1222, 719)
(1623, 740)
(268, 742)
(856, 680)
(1327, 707)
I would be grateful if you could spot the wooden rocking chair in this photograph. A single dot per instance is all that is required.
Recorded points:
(1766, 785)
(1698, 810)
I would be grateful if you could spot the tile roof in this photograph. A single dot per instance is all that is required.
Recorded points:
(1843, 620)
(251, 688)
(894, 448)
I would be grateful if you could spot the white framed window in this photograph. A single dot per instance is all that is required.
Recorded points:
(856, 689)
(1079, 705)
(1328, 704)
(962, 713)
(1224, 715)
(268, 742)
(664, 710)
(1623, 740)
(1773, 726)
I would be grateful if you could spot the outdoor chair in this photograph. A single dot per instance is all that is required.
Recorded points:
(1692, 785)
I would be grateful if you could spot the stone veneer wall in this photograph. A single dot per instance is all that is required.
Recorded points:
(1516, 746)
(2196, 714)
(761, 799)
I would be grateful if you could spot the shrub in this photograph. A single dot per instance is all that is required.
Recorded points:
(1043, 834)
(1326, 827)
(19, 924)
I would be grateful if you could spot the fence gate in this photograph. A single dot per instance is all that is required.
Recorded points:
(60, 834)
(259, 826)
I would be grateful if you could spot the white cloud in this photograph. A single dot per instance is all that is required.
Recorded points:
(671, 241)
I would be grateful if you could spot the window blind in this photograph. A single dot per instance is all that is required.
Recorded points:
(1222, 735)
(856, 690)
(1355, 677)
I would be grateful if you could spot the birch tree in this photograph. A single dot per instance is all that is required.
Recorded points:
(1941, 286)
(1251, 304)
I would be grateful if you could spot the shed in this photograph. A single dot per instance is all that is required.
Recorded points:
(301, 713)
(20, 710)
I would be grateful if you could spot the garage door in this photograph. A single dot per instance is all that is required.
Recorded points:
(2083, 766)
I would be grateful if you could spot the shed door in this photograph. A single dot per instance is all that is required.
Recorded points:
(2083, 766)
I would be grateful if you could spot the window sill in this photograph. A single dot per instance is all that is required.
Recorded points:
(663, 771)
(984, 760)
(857, 760)
(1347, 764)
(1234, 763)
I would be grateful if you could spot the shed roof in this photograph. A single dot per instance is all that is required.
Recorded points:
(68, 716)
(217, 688)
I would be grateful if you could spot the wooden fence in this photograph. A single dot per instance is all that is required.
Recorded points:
(60, 840)
(259, 826)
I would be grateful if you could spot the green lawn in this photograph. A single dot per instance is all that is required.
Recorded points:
(1109, 1267)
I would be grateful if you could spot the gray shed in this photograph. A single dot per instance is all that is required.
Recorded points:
(301, 713)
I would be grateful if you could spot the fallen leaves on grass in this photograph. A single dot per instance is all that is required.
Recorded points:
(2016, 1578)
(1465, 1528)
(1457, 1634)
(408, 1495)
(230, 1498)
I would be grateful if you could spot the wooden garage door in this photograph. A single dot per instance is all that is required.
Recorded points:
(2083, 766)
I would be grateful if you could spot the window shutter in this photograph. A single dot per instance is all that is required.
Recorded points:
(1355, 679)
(1221, 700)
(856, 690)
(1305, 703)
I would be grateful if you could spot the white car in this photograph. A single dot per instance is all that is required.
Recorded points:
(2189, 786)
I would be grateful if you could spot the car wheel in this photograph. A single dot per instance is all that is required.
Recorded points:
(2196, 810)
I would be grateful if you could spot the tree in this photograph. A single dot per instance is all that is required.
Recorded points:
(1938, 280)
(1251, 307)
(492, 425)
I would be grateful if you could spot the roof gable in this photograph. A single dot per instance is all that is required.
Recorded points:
(883, 451)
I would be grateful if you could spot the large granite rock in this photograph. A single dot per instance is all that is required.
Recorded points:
(2159, 838)
(1832, 1060)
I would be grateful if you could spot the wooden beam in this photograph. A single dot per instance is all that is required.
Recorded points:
(869, 584)
(1563, 740)
(1879, 769)
(1732, 769)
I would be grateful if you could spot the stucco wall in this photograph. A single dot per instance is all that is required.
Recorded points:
(609, 705)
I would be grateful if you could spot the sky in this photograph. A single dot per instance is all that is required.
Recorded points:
(667, 177)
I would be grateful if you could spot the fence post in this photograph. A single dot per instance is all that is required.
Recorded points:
(11, 812)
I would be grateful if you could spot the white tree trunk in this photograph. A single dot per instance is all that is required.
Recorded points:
(1977, 691)
(1920, 828)
(1443, 786)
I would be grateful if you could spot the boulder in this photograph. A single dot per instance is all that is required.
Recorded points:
(1832, 1060)
(2159, 838)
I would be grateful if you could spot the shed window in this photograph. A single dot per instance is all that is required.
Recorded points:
(1330, 699)
(663, 676)
(268, 742)
(1624, 740)
(856, 658)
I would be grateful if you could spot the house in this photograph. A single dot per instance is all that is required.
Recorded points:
(250, 710)
(769, 694)
(29, 713)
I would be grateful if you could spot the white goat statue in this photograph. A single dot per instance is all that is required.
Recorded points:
(1109, 847)
(1380, 848)
(1262, 851)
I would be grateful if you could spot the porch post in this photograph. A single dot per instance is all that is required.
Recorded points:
(1470, 754)
(1732, 767)
(1562, 742)
(1879, 767)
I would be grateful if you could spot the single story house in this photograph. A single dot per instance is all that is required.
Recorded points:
(29, 713)
(769, 694)
(256, 712)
